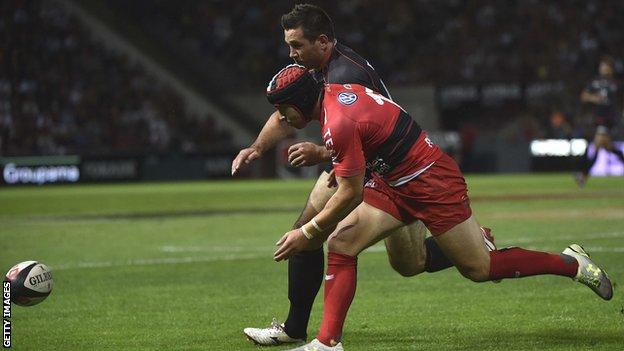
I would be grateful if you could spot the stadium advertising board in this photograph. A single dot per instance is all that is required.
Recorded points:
(40, 170)
(607, 164)
(563, 154)
(110, 169)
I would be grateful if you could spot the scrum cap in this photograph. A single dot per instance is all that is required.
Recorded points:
(293, 85)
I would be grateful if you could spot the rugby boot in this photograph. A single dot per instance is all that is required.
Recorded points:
(589, 273)
(274, 334)
(316, 345)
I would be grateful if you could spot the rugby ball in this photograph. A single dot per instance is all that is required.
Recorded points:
(31, 283)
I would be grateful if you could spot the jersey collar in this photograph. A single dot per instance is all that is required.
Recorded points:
(330, 56)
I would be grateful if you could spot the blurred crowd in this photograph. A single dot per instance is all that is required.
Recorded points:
(418, 42)
(61, 92)
(408, 41)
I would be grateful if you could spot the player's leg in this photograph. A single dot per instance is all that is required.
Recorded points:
(588, 160)
(305, 269)
(410, 252)
(463, 245)
(475, 262)
(447, 214)
(305, 276)
(363, 227)
(406, 249)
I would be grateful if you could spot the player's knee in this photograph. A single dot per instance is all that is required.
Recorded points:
(477, 271)
(407, 271)
(343, 241)
(408, 267)
(339, 244)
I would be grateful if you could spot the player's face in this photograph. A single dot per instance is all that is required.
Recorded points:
(304, 52)
(292, 116)
(605, 69)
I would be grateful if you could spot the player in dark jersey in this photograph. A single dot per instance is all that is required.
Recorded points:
(309, 33)
(412, 179)
(603, 94)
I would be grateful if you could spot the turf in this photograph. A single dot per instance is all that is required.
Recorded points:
(185, 266)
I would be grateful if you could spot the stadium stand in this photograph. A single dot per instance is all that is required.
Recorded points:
(79, 97)
(411, 41)
(63, 93)
(537, 47)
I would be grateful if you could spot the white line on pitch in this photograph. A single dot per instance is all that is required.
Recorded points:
(380, 246)
(226, 249)
(588, 236)
(234, 253)
(157, 261)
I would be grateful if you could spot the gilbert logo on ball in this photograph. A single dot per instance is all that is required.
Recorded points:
(31, 283)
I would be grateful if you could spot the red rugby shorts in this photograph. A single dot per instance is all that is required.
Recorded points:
(438, 197)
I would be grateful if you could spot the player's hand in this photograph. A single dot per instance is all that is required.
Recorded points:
(305, 154)
(331, 179)
(291, 243)
(244, 157)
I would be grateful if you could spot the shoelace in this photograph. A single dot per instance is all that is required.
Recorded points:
(275, 324)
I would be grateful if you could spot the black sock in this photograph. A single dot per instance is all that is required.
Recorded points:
(588, 162)
(305, 275)
(436, 260)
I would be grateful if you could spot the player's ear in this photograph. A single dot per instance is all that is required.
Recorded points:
(323, 41)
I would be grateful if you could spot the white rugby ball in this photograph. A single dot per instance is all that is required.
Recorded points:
(31, 283)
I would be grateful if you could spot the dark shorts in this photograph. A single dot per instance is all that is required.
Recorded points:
(327, 167)
(438, 197)
(609, 126)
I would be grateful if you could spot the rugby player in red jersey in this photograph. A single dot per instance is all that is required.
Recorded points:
(412, 180)
(309, 34)
(603, 93)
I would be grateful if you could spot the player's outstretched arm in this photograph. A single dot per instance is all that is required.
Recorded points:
(274, 131)
(307, 154)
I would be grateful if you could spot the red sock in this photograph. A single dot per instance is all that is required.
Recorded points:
(340, 283)
(516, 262)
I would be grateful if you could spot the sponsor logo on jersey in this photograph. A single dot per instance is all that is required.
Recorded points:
(329, 145)
(370, 184)
(347, 98)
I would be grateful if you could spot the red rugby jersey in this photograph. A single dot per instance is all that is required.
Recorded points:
(363, 129)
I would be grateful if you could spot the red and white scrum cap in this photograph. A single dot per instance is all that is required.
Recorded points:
(295, 86)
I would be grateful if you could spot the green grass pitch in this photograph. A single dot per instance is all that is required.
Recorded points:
(185, 266)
